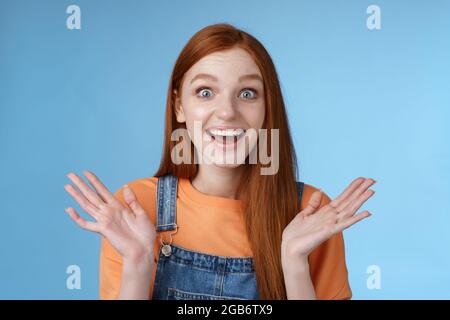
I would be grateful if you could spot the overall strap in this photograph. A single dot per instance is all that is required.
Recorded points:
(300, 186)
(166, 200)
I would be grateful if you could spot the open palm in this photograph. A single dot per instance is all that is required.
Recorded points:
(129, 231)
(312, 225)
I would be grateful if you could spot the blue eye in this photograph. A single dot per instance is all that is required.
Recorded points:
(204, 92)
(248, 94)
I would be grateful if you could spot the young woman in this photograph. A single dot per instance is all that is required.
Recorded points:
(218, 229)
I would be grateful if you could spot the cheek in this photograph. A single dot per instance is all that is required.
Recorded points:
(195, 112)
(255, 116)
(196, 116)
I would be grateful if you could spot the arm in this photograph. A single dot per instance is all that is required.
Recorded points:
(136, 275)
(126, 227)
(315, 225)
(298, 282)
(122, 278)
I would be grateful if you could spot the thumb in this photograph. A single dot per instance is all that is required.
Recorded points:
(131, 200)
(313, 203)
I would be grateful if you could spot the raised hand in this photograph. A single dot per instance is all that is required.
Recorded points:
(130, 232)
(312, 225)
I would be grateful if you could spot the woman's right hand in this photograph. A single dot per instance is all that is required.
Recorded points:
(130, 232)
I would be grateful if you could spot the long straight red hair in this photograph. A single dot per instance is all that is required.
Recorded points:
(265, 216)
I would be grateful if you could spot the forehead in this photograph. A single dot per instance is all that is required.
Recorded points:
(233, 62)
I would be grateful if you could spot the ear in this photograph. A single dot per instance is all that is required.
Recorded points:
(179, 113)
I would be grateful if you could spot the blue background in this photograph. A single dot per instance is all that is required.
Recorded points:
(373, 103)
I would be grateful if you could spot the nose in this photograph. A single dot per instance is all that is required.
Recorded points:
(226, 110)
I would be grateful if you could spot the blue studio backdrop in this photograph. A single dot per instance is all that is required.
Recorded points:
(361, 100)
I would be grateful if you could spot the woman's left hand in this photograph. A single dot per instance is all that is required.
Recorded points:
(312, 226)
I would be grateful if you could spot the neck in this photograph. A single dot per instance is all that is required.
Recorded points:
(218, 181)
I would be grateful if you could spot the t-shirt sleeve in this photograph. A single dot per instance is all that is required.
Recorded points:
(328, 268)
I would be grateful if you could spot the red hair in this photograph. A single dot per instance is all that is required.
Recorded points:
(265, 216)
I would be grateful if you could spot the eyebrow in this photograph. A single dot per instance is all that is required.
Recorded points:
(252, 76)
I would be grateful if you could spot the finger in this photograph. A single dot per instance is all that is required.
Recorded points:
(82, 201)
(130, 199)
(87, 225)
(352, 220)
(356, 194)
(347, 192)
(87, 192)
(353, 206)
(313, 203)
(102, 191)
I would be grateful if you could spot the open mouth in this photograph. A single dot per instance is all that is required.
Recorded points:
(227, 137)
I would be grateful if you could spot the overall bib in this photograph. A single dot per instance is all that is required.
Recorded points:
(183, 274)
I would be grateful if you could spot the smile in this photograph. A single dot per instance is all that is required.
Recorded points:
(225, 137)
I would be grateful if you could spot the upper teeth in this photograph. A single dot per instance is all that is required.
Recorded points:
(227, 132)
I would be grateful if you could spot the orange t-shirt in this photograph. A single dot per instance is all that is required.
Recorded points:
(215, 225)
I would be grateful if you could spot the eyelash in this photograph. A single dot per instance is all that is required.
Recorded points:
(208, 88)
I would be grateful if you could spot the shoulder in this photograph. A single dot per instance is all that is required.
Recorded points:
(141, 187)
(145, 191)
(308, 191)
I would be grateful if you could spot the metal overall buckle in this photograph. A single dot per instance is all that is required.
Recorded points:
(166, 249)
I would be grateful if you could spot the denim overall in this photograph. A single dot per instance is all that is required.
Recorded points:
(183, 274)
